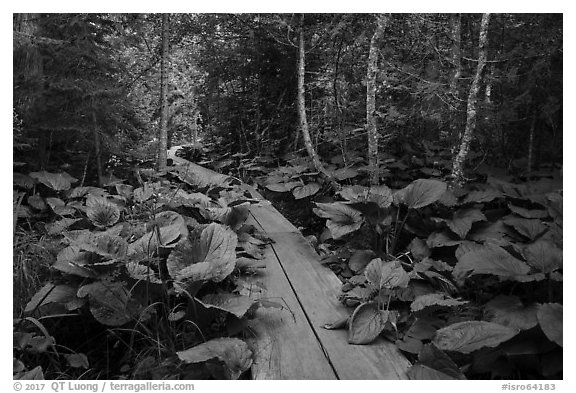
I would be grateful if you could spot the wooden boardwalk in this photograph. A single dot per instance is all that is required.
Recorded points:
(291, 344)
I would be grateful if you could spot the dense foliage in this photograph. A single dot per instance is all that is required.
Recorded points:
(150, 266)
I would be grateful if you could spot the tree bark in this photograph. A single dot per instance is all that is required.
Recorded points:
(163, 131)
(456, 36)
(301, 101)
(97, 150)
(472, 108)
(531, 143)
(371, 117)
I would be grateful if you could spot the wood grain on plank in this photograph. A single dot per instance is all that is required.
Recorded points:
(286, 343)
(285, 346)
(317, 288)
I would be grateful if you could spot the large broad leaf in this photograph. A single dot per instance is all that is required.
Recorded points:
(434, 299)
(77, 360)
(490, 259)
(434, 358)
(425, 327)
(555, 205)
(507, 188)
(22, 180)
(360, 259)
(142, 272)
(102, 213)
(234, 216)
(142, 194)
(342, 219)
(386, 274)
(283, 187)
(110, 302)
(509, 311)
(448, 199)
(233, 352)
(37, 202)
(237, 305)
(345, 173)
(50, 293)
(306, 190)
(34, 374)
(484, 231)
(482, 196)
(420, 193)
(529, 228)
(210, 256)
(80, 192)
(526, 213)
(550, 319)
(171, 227)
(57, 227)
(366, 323)
(419, 249)
(126, 191)
(462, 221)
(465, 247)
(72, 260)
(380, 195)
(113, 247)
(543, 255)
(470, 336)
(59, 207)
(56, 181)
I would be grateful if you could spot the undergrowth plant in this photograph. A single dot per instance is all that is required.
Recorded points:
(147, 281)
(462, 280)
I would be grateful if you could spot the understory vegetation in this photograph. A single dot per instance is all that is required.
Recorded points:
(419, 154)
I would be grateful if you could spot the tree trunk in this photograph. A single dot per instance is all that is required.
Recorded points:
(97, 150)
(531, 143)
(301, 101)
(163, 131)
(371, 117)
(456, 36)
(472, 109)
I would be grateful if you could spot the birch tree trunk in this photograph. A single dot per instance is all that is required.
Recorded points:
(456, 36)
(472, 109)
(163, 131)
(301, 101)
(371, 117)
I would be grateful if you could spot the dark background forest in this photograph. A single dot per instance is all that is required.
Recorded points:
(87, 86)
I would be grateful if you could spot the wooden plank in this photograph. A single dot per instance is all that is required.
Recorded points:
(284, 345)
(317, 288)
(198, 174)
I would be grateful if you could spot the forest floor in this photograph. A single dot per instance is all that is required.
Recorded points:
(137, 278)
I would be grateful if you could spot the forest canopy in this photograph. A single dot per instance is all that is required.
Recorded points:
(87, 87)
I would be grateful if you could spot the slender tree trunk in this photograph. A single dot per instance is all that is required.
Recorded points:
(531, 143)
(97, 149)
(371, 117)
(301, 101)
(456, 36)
(163, 132)
(472, 109)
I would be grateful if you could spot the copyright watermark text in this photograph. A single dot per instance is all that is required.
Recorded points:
(101, 386)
